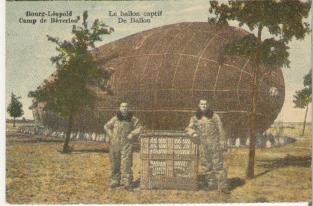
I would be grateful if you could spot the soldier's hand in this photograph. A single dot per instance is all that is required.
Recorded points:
(130, 136)
(195, 138)
(194, 135)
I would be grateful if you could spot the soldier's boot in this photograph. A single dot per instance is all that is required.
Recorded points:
(127, 164)
(225, 190)
(115, 179)
(127, 182)
(202, 184)
(212, 183)
(224, 187)
(114, 184)
(129, 187)
(211, 180)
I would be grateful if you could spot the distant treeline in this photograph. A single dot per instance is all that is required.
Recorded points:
(290, 125)
(20, 121)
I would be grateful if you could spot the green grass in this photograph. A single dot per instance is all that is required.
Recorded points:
(38, 173)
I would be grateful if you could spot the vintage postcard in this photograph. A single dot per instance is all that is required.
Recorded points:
(158, 102)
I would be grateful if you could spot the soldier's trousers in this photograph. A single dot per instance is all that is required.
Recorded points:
(212, 166)
(121, 157)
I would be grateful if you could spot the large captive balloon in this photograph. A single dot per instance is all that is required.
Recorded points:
(163, 73)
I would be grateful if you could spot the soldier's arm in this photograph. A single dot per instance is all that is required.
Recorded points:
(223, 140)
(137, 127)
(108, 127)
(191, 128)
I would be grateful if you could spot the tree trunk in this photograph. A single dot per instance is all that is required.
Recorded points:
(13, 121)
(250, 168)
(66, 148)
(304, 123)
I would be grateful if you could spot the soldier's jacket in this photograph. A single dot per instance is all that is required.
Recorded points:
(209, 130)
(117, 130)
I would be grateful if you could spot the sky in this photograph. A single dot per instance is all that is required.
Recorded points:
(28, 51)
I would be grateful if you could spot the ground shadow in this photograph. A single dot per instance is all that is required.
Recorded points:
(233, 183)
(15, 134)
(37, 140)
(101, 150)
(289, 160)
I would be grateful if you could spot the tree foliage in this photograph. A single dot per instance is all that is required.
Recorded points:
(283, 19)
(69, 89)
(15, 107)
(303, 97)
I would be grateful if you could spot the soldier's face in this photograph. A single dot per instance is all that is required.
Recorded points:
(203, 105)
(124, 108)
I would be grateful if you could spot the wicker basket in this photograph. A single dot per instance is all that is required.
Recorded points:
(169, 160)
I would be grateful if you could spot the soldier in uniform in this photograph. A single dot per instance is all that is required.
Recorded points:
(206, 129)
(121, 130)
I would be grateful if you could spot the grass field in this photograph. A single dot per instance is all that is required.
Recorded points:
(36, 172)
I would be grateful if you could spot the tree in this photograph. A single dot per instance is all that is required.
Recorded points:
(282, 20)
(76, 74)
(15, 108)
(303, 98)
